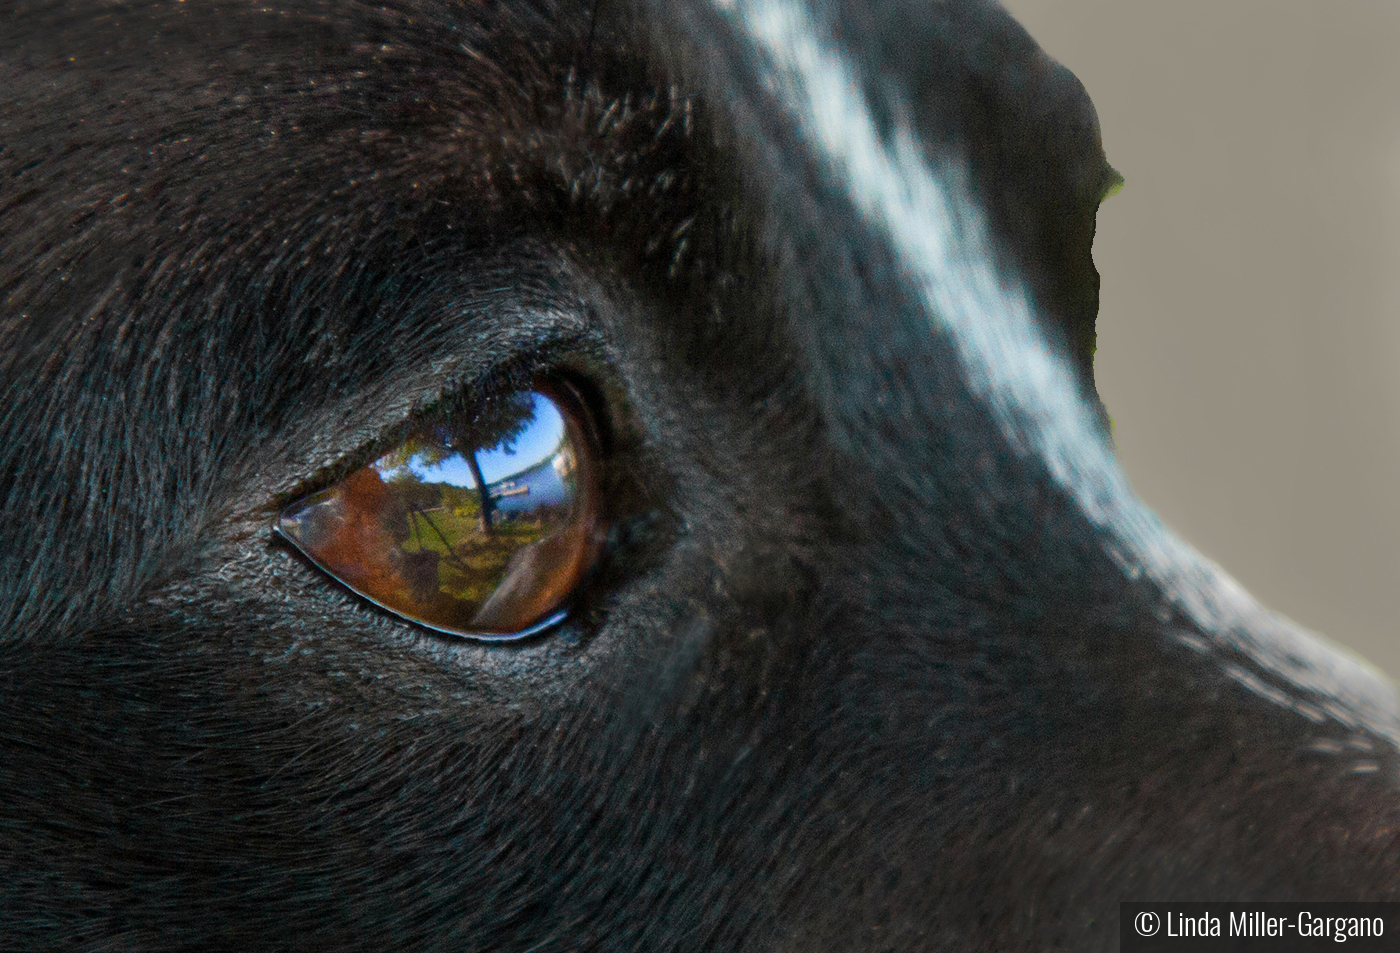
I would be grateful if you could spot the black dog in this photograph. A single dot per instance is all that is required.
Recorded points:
(879, 652)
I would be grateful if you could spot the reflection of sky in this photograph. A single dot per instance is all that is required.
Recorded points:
(536, 443)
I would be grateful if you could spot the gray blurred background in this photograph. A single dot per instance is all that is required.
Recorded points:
(1249, 328)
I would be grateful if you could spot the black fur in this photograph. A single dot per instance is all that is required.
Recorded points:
(858, 671)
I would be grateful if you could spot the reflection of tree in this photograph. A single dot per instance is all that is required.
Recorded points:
(487, 507)
(497, 426)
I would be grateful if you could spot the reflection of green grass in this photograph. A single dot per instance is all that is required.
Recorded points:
(474, 564)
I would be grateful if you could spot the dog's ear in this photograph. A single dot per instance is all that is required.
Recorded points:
(873, 641)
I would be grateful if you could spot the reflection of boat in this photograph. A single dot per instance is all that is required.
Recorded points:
(564, 462)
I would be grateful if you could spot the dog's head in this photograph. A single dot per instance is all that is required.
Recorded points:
(875, 648)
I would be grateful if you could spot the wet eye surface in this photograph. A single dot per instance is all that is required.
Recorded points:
(479, 527)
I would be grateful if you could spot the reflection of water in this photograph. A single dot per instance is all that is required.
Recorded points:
(541, 484)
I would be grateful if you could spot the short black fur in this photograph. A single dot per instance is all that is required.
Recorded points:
(858, 672)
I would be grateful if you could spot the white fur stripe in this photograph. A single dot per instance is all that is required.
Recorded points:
(941, 237)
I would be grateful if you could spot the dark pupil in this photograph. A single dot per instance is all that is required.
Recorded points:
(481, 528)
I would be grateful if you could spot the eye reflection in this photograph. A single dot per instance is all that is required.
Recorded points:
(481, 528)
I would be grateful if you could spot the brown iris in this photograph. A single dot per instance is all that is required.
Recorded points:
(480, 527)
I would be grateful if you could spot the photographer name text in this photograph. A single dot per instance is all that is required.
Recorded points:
(1256, 924)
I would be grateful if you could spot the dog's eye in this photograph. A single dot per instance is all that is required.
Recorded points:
(479, 527)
